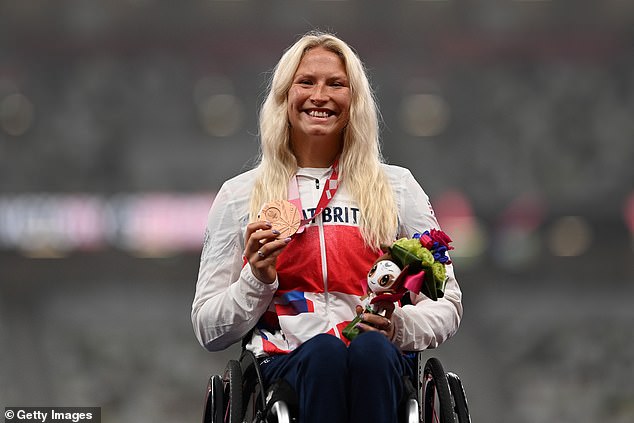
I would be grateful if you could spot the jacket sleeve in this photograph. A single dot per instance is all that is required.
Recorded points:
(229, 300)
(424, 323)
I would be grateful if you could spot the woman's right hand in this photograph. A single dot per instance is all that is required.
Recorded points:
(262, 249)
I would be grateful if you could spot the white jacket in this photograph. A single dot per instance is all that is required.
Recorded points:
(320, 273)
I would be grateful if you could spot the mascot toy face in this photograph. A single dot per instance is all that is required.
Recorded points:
(382, 276)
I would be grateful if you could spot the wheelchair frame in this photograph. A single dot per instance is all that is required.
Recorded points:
(239, 396)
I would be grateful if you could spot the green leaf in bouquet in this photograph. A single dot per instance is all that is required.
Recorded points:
(429, 285)
(403, 255)
(441, 289)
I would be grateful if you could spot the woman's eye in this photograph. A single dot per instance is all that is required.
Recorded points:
(339, 83)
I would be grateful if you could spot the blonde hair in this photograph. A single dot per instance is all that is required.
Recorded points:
(360, 161)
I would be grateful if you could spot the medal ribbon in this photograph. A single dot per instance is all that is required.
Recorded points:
(330, 188)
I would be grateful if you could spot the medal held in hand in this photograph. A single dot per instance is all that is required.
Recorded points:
(283, 215)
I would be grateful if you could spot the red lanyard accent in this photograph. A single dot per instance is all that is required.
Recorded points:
(330, 188)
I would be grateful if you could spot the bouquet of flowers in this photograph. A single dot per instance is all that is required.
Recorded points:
(414, 264)
(423, 258)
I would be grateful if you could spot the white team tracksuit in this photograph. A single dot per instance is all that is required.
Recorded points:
(320, 272)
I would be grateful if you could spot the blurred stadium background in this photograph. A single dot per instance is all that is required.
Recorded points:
(119, 121)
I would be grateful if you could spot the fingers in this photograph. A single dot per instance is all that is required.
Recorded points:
(262, 249)
(257, 235)
(257, 232)
(377, 323)
(270, 250)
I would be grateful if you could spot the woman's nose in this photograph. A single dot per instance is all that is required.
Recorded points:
(318, 95)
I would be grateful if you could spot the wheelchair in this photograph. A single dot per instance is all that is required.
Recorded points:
(239, 395)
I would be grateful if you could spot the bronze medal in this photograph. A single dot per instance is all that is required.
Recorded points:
(283, 215)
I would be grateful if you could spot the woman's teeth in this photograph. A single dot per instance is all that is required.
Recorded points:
(319, 114)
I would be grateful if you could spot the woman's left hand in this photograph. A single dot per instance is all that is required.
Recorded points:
(376, 322)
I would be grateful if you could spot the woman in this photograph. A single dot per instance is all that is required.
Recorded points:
(319, 145)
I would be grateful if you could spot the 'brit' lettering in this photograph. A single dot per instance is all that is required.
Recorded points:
(348, 215)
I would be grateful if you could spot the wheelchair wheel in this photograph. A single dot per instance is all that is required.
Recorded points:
(214, 401)
(253, 388)
(232, 381)
(459, 398)
(438, 405)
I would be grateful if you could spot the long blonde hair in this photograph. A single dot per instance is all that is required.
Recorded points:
(360, 162)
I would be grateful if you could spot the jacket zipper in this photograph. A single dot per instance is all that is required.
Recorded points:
(324, 264)
(322, 252)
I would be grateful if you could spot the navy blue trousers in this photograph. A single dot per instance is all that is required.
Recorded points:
(360, 383)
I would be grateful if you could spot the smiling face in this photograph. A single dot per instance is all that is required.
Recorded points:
(319, 98)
